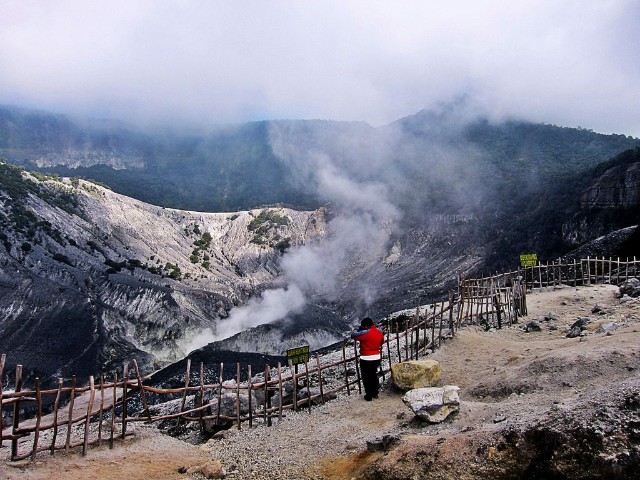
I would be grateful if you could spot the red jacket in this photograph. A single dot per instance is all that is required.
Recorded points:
(370, 340)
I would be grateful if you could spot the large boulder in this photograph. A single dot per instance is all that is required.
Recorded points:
(631, 287)
(433, 404)
(415, 374)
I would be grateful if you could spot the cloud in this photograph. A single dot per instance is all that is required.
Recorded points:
(202, 62)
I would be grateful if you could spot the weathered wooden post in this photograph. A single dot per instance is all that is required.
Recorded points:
(249, 393)
(125, 409)
(320, 378)
(72, 398)
(113, 408)
(143, 397)
(496, 304)
(451, 325)
(220, 395)
(36, 434)
(16, 413)
(433, 328)
(358, 377)
(56, 405)
(294, 374)
(2, 362)
(280, 393)
(201, 402)
(267, 398)
(238, 396)
(101, 414)
(184, 392)
(306, 370)
(87, 421)
(346, 370)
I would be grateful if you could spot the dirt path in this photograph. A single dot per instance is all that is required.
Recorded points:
(147, 455)
(506, 377)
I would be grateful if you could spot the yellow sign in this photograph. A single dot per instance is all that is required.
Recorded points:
(529, 260)
(298, 355)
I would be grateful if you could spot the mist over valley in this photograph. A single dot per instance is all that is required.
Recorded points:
(313, 224)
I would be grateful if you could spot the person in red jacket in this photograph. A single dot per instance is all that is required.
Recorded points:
(371, 340)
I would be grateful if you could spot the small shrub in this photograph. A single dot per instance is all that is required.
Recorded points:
(59, 257)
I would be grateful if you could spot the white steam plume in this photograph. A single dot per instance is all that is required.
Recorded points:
(312, 272)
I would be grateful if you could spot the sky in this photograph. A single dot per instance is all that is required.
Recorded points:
(198, 63)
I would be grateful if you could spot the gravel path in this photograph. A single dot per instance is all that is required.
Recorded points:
(297, 446)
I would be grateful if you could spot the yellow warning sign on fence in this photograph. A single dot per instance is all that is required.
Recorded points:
(529, 260)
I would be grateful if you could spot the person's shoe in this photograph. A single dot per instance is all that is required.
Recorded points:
(375, 396)
(367, 398)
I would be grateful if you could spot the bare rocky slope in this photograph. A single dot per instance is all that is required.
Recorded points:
(90, 278)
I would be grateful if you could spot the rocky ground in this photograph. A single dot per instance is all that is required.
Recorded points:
(533, 405)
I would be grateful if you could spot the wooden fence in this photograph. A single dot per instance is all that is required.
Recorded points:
(501, 299)
(100, 412)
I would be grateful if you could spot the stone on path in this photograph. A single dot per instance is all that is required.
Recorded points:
(433, 404)
(415, 374)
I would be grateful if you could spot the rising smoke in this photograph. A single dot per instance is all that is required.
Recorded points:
(364, 219)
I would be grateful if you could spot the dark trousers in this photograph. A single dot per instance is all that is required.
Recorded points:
(369, 372)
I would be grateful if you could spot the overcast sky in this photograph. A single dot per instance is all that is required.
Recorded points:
(572, 63)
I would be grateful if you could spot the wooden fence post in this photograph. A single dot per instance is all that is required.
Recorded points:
(346, 370)
(238, 396)
(451, 325)
(387, 341)
(201, 403)
(72, 398)
(440, 325)
(36, 434)
(320, 378)
(101, 414)
(143, 397)
(406, 340)
(280, 392)
(249, 393)
(306, 370)
(267, 399)
(187, 377)
(220, 395)
(497, 306)
(294, 374)
(433, 328)
(125, 381)
(16, 413)
(113, 408)
(2, 362)
(88, 417)
(56, 404)
(358, 377)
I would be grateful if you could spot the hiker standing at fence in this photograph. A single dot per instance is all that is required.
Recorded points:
(371, 340)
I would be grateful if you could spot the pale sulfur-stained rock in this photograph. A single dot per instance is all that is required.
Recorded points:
(415, 374)
(211, 469)
(433, 404)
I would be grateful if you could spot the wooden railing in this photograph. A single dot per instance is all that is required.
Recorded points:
(101, 411)
(501, 299)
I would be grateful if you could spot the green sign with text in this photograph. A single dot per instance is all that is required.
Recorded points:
(529, 260)
(298, 355)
